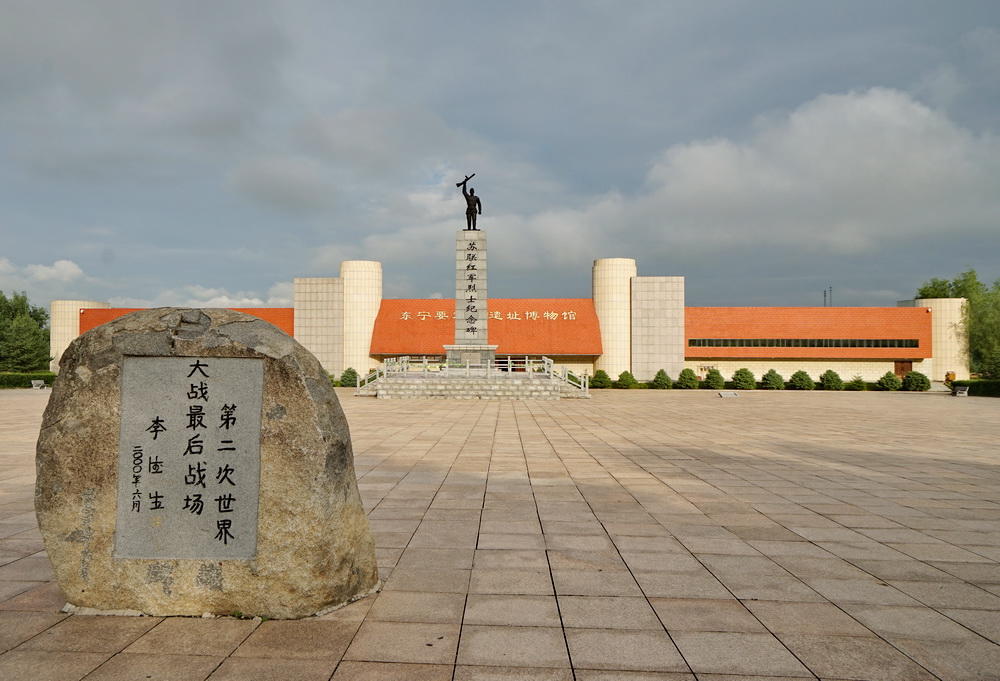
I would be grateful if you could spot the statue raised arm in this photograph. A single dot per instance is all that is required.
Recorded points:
(473, 205)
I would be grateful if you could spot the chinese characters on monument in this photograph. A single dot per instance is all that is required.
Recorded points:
(189, 457)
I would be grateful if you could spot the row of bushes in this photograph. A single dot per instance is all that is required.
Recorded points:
(24, 379)
(982, 387)
(744, 379)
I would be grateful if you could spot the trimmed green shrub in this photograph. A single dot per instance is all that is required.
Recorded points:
(916, 382)
(334, 382)
(600, 379)
(889, 381)
(625, 380)
(24, 379)
(981, 387)
(856, 384)
(830, 380)
(349, 379)
(772, 380)
(714, 380)
(661, 381)
(743, 379)
(800, 381)
(687, 380)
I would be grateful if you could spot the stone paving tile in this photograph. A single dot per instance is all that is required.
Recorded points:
(389, 671)
(737, 653)
(804, 505)
(39, 665)
(848, 657)
(153, 667)
(17, 627)
(513, 646)
(273, 669)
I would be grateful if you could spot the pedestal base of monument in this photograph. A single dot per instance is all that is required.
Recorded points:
(510, 379)
(470, 355)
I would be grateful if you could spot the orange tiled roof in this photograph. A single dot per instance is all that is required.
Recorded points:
(282, 317)
(536, 326)
(809, 322)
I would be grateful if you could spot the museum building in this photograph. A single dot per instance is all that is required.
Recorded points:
(630, 323)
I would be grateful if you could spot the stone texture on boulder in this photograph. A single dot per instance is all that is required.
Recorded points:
(314, 548)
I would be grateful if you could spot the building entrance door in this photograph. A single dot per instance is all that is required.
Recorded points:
(903, 368)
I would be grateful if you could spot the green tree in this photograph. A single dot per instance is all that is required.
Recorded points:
(687, 380)
(772, 380)
(889, 381)
(18, 305)
(714, 380)
(600, 379)
(830, 380)
(800, 380)
(981, 316)
(24, 336)
(661, 381)
(349, 378)
(857, 384)
(625, 380)
(916, 381)
(24, 346)
(743, 380)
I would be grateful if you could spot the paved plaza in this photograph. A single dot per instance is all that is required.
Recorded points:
(640, 535)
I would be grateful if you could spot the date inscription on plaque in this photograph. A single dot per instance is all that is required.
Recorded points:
(189, 457)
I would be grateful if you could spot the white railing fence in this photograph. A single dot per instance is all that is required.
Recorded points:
(501, 369)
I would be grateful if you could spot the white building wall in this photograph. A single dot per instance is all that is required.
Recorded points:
(64, 325)
(657, 326)
(319, 319)
(949, 341)
(362, 298)
(870, 370)
(612, 291)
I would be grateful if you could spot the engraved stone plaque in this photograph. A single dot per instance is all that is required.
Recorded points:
(189, 457)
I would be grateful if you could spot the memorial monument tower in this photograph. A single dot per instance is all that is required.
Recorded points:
(471, 316)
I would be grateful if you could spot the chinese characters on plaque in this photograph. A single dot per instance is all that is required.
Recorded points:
(189, 457)
(528, 315)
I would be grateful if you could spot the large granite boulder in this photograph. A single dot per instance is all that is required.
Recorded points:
(195, 461)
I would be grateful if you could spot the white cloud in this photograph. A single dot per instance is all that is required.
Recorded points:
(60, 270)
(194, 295)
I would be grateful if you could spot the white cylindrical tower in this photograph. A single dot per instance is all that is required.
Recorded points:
(64, 325)
(612, 286)
(949, 340)
(362, 298)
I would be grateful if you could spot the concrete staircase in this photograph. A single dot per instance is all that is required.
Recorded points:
(401, 386)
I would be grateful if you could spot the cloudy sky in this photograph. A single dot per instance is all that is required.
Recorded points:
(191, 152)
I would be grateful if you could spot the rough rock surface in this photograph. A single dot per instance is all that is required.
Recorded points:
(314, 548)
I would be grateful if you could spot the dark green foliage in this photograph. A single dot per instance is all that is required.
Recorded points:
(349, 379)
(830, 380)
(981, 317)
(23, 380)
(856, 384)
(772, 380)
(981, 388)
(24, 338)
(334, 382)
(661, 381)
(800, 381)
(714, 380)
(916, 382)
(743, 379)
(687, 380)
(24, 346)
(626, 380)
(600, 379)
(889, 381)
(991, 366)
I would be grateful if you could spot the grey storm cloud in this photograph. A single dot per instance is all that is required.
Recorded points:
(761, 149)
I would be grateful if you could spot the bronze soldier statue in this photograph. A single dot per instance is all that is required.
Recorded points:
(474, 205)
